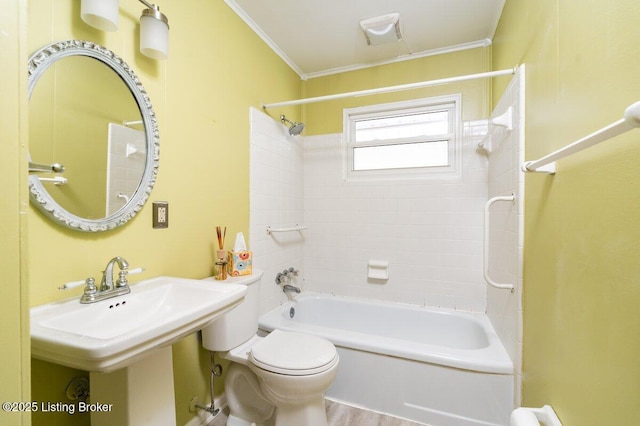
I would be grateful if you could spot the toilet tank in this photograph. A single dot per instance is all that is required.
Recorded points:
(239, 324)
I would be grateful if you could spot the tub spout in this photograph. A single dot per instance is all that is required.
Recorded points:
(288, 287)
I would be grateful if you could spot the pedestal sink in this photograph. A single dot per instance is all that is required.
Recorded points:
(113, 333)
(130, 336)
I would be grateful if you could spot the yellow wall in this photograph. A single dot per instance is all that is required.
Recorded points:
(582, 235)
(217, 68)
(326, 117)
(582, 325)
(14, 314)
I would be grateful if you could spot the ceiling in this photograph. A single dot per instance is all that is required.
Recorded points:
(321, 37)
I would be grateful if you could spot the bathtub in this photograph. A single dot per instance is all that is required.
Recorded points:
(439, 367)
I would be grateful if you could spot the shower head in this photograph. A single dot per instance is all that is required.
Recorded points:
(294, 128)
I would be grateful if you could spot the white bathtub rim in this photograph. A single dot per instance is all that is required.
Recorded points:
(492, 359)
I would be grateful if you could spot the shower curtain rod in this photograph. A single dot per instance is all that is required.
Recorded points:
(388, 89)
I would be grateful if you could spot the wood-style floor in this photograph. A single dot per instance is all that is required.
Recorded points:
(343, 415)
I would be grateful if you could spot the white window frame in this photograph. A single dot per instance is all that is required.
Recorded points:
(453, 103)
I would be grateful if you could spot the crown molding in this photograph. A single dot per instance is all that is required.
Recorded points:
(256, 28)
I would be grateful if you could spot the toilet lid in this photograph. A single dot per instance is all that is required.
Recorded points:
(291, 353)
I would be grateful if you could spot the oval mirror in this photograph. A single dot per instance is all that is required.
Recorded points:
(89, 113)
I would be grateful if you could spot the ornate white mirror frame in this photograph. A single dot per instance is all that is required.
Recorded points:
(40, 197)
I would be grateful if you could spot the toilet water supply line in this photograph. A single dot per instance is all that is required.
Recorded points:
(487, 206)
(216, 371)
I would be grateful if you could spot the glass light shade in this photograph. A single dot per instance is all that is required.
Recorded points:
(100, 14)
(154, 37)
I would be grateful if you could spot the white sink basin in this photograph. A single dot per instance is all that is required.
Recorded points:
(114, 333)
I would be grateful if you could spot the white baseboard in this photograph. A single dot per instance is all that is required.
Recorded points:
(202, 418)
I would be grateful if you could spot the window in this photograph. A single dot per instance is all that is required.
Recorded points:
(403, 140)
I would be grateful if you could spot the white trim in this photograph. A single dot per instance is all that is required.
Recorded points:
(305, 76)
(452, 102)
(256, 28)
(431, 52)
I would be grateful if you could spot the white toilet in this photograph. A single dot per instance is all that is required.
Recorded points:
(278, 378)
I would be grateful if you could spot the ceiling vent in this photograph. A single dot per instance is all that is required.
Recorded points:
(382, 29)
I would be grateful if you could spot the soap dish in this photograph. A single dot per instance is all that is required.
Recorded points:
(378, 270)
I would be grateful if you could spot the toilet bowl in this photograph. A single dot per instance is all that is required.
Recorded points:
(276, 379)
(293, 371)
(247, 403)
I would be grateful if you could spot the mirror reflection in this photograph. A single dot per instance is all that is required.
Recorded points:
(83, 115)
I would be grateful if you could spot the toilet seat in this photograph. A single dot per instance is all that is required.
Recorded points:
(293, 354)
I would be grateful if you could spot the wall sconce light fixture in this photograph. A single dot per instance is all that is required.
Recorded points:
(100, 14)
(154, 32)
(154, 25)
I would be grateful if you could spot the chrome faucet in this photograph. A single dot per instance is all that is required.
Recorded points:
(291, 272)
(288, 287)
(285, 277)
(107, 287)
(107, 276)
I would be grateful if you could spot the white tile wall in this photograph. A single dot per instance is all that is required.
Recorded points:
(504, 308)
(430, 231)
(276, 201)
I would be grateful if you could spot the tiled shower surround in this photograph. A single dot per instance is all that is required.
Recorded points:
(504, 308)
(276, 200)
(430, 231)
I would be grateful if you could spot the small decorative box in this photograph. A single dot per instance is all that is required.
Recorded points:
(240, 263)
